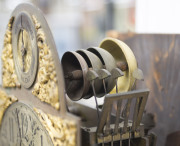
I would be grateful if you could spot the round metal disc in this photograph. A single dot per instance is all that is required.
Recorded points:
(25, 51)
(21, 126)
(121, 52)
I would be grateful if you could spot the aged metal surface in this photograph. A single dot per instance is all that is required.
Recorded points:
(9, 77)
(121, 53)
(158, 56)
(116, 73)
(5, 102)
(25, 95)
(108, 62)
(62, 131)
(92, 77)
(33, 11)
(46, 87)
(124, 125)
(21, 127)
(75, 89)
(25, 52)
(137, 112)
(94, 63)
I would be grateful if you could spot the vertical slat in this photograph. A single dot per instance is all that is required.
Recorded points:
(119, 104)
(141, 109)
(103, 117)
(136, 110)
(127, 115)
(108, 120)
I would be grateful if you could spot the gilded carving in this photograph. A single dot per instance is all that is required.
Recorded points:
(5, 102)
(9, 77)
(63, 132)
(46, 88)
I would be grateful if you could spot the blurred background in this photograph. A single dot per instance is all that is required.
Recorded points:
(79, 24)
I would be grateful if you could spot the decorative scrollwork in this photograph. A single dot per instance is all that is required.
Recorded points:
(5, 102)
(46, 88)
(62, 131)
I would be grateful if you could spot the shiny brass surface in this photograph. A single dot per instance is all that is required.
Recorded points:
(25, 52)
(21, 127)
(94, 63)
(121, 52)
(9, 77)
(5, 102)
(108, 64)
(75, 89)
(46, 88)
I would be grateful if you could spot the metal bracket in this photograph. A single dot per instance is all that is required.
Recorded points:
(121, 125)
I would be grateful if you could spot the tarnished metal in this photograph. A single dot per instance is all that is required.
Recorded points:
(24, 127)
(122, 54)
(92, 76)
(119, 127)
(94, 63)
(104, 75)
(25, 51)
(108, 62)
(116, 73)
(75, 89)
(109, 129)
(141, 98)
(94, 71)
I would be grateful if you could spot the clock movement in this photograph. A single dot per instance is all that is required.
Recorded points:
(40, 92)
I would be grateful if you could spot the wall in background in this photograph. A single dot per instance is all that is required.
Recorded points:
(157, 16)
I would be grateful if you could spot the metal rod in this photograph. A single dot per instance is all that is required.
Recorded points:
(118, 112)
(116, 86)
(92, 84)
(104, 84)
